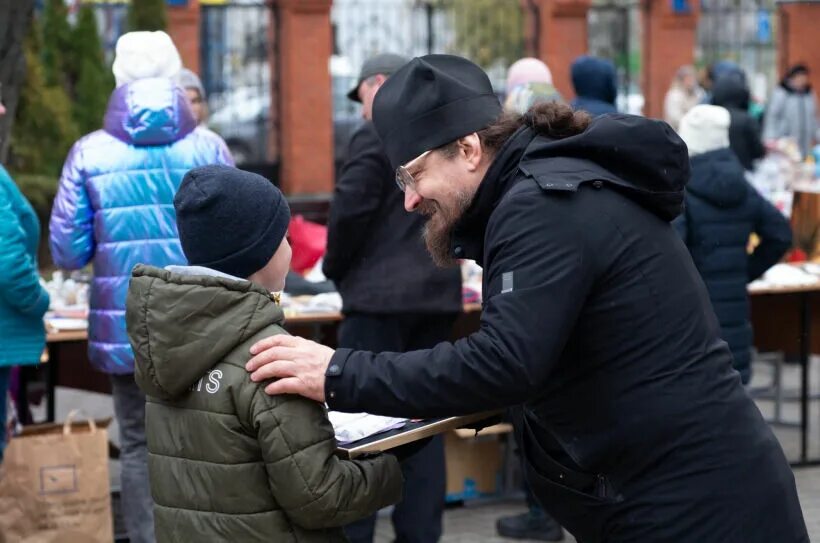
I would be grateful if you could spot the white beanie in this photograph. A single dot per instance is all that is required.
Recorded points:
(705, 128)
(141, 55)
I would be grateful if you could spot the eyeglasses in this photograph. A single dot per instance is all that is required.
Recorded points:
(404, 178)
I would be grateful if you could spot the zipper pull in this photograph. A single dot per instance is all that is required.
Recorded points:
(601, 486)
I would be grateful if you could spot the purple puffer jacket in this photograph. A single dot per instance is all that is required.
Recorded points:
(115, 204)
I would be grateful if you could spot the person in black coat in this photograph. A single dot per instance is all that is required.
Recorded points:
(597, 330)
(731, 92)
(394, 298)
(596, 85)
(722, 210)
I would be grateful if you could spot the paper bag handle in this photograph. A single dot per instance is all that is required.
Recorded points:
(69, 419)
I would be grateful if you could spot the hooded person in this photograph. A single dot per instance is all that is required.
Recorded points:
(722, 210)
(792, 111)
(113, 209)
(227, 462)
(596, 330)
(529, 82)
(732, 93)
(596, 86)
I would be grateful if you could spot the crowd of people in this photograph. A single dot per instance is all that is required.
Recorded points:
(616, 324)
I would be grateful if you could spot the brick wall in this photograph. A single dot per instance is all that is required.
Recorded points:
(668, 42)
(797, 40)
(183, 27)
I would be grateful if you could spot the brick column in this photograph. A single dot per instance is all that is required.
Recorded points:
(797, 37)
(668, 43)
(183, 27)
(562, 37)
(305, 122)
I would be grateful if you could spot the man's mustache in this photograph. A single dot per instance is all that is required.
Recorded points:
(428, 207)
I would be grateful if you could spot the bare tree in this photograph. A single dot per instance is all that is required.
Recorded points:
(15, 20)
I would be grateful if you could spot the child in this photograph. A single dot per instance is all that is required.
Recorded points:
(227, 462)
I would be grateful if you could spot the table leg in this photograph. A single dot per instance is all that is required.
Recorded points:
(22, 396)
(51, 382)
(805, 370)
(805, 361)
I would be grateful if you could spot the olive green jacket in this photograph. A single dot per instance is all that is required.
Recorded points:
(227, 462)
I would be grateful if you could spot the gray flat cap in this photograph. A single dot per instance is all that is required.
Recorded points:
(384, 63)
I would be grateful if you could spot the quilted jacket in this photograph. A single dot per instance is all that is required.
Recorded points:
(114, 206)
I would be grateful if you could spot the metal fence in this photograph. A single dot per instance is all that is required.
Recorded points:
(490, 32)
(614, 33)
(237, 53)
(743, 31)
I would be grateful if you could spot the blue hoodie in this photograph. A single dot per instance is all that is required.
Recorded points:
(595, 83)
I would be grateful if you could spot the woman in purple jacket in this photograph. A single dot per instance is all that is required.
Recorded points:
(114, 208)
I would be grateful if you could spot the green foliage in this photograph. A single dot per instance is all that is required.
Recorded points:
(90, 97)
(44, 129)
(40, 191)
(65, 92)
(147, 15)
(56, 42)
(487, 31)
(91, 77)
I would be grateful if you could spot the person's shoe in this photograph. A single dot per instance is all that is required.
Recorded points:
(530, 525)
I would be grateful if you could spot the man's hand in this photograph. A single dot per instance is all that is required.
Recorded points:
(298, 365)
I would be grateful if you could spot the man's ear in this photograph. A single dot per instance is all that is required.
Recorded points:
(470, 149)
(378, 81)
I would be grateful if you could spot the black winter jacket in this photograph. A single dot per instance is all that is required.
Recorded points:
(732, 93)
(722, 210)
(375, 253)
(597, 330)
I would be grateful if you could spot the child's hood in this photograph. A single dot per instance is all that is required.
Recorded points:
(181, 324)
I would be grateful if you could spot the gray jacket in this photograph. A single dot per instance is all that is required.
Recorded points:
(792, 114)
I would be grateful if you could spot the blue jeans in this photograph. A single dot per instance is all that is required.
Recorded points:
(5, 373)
(135, 490)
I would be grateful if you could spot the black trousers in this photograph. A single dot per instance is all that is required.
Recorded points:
(418, 517)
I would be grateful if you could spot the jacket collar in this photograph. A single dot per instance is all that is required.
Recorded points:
(467, 240)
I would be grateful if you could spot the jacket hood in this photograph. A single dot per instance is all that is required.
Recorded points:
(149, 112)
(181, 325)
(642, 158)
(594, 78)
(731, 92)
(794, 70)
(725, 68)
(718, 177)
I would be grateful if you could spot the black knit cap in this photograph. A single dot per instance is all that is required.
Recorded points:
(230, 220)
(431, 101)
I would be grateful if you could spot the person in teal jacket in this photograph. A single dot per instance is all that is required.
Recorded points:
(23, 300)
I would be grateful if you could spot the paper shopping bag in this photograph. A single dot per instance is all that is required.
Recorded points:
(54, 485)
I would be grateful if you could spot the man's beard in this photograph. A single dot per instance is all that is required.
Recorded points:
(440, 224)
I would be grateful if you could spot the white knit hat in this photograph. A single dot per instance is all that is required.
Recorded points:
(141, 55)
(705, 128)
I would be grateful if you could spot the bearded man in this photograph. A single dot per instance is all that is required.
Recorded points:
(596, 332)
(394, 297)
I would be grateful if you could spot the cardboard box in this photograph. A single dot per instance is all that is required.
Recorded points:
(474, 466)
